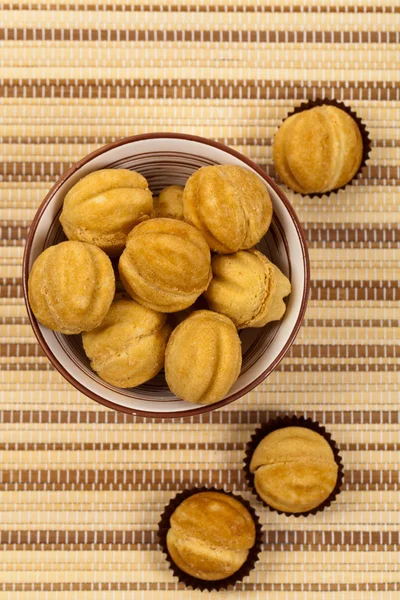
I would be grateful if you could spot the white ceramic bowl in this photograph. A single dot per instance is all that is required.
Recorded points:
(166, 159)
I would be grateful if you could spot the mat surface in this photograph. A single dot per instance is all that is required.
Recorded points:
(82, 487)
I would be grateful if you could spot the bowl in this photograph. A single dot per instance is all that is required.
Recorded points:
(166, 159)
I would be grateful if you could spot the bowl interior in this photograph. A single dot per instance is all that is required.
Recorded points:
(167, 161)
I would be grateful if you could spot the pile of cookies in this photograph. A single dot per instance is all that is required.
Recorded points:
(190, 248)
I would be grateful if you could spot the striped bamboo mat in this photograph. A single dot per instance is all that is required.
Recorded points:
(82, 487)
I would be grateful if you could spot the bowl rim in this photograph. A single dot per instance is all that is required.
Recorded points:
(206, 407)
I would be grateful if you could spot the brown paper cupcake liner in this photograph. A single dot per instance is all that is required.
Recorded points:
(194, 582)
(361, 126)
(293, 421)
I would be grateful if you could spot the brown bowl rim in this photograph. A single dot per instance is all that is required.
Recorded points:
(25, 274)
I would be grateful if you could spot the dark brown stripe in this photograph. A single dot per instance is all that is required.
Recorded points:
(339, 245)
(378, 235)
(46, 537)
(19, 242)
(306, 323)
(224, 446)
(22, 224)
(296, 351)
(352, 226)
(289, 368)
(160, 586)
(315, 244)
(163, 477)
(48, 171)
(343, 351)
(192, 89)
(262, 84)
(354, 290)
(102, 140)
(352, 229)
(136, 35)
(75, 446)
(352, 245)
(362, 181)
(340, 539)
(198, 83)
(171, 487)
(7, 281)
(361, 284)
(388, 290)
(10, 290)
(24, 350)
(283, 368)
(16, 242)
(289, 541)
(342, 232)
(14, 321)
(271, 539)
(341, 417)
(351, 323)
(199, 8)
(115, 477)
(12, 232)
(152, 547)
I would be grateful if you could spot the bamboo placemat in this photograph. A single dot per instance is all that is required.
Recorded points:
(82, 487)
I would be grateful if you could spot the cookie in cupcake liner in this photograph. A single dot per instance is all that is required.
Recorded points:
(281, 423)
(363, 131)
(194, 582)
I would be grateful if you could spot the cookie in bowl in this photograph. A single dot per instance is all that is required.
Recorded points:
(71, 287)
(104, 206)
(166, 265)
(248, 288)
(169, 203)
(128, 348)
(203, 357)
(230, 205)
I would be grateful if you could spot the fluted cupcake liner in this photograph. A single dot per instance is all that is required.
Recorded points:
(194, 582)
(361, 126)
(281, 423)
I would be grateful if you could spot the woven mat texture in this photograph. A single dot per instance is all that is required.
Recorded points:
(82, 487)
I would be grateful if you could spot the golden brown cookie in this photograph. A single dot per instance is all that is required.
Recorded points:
(318, 150)
(128, 347)
(103, 207)
(210, 535)
(247, 288)
(71, 287)
(165, 265)
(203, 358)
(170, 203)
(230, 205)
(294, 469)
